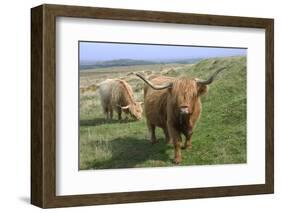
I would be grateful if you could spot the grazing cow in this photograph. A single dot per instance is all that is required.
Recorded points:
(174, 105)
(118, 95)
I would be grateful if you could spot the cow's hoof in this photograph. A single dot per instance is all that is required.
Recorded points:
(177, 161)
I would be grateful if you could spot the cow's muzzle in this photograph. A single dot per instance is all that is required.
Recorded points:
(184, 111)
(184, 115)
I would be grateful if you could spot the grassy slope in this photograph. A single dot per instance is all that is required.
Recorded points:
(219, 138)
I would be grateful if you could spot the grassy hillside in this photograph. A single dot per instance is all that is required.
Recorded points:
(219, 138)
(132, 62)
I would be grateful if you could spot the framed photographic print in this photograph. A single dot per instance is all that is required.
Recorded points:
(137, 106)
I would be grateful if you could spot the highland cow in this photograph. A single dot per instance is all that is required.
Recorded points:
(174, 105)
(117, 95)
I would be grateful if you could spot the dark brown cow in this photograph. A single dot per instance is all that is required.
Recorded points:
(174, 105)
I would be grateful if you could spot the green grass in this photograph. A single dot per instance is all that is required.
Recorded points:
(219, 137)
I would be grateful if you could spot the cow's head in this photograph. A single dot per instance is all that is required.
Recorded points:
(134, 109)
(184, 91)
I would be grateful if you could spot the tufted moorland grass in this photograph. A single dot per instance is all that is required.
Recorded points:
(219, 137)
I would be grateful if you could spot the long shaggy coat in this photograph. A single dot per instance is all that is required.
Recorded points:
(163, 108)
(117, 95)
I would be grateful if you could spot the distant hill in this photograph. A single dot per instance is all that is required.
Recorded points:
(132, 62)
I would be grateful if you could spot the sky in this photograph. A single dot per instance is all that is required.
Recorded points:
(93, 51)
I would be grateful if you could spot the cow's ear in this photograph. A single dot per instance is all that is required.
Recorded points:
(201, 89)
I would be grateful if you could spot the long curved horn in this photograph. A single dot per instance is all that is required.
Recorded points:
(156, 87)
(124, 107)
(211, 78)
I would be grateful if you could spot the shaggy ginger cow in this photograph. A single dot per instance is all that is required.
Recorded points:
(117, 95)
(174, 105)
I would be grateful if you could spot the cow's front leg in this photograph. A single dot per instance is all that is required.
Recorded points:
(188, 143)
(151, 130)
(105, 110)
(188, 131)
(119, 112)
(126, 117)
(176, 138)
(167, 137)
(110, 113)
(107, 115)
(177, 147)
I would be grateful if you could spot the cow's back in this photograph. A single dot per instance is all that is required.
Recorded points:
(122, 93)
